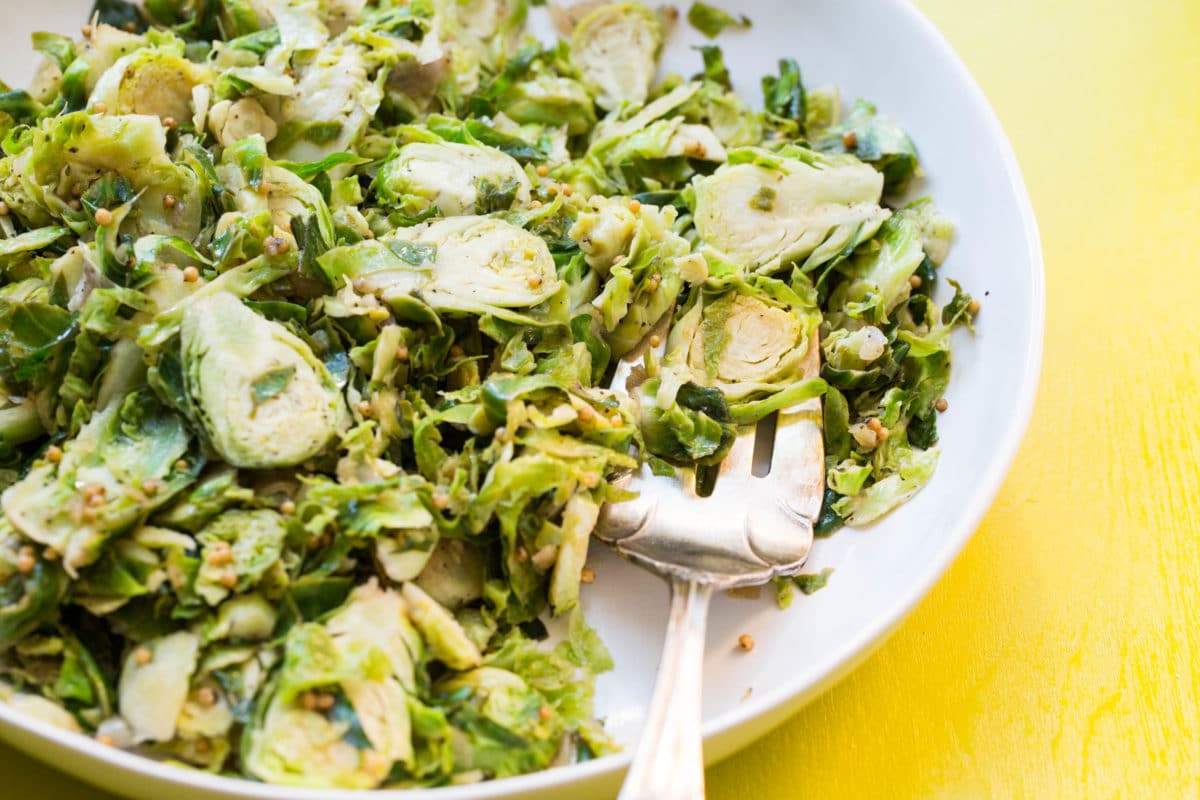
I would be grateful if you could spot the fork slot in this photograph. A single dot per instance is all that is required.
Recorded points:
(764, 446)
(706, 480)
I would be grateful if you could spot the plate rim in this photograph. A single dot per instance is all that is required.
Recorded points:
(780, 702)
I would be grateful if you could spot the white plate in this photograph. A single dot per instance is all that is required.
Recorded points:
(886, 51)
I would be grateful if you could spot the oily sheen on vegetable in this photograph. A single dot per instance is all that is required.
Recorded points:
(308, 314)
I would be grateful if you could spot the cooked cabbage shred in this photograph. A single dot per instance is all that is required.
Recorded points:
(308, 313)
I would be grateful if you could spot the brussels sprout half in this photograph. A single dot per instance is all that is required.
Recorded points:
(482, 264)
(333, 103)
(78, 150)
(262, 396)
(748, 340)
(616, 48)
(456, 179)
(768, 210)
(154, 81)
(639, 253)
(338, 712)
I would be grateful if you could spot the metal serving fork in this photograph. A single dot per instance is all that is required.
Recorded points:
(756, 524)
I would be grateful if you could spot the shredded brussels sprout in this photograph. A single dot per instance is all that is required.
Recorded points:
(308, 316)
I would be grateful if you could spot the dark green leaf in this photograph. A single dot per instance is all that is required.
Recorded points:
(785, 96)
(401, 220)
(74, 85)
(697, 430)
(312, 245)
(584, 328)
(665, 198)
(705, 400)
(36, 326)
(474, 130)
(877, 140)
(120, 14)
(195, 19)
(20, 106)
(343, 714)
(312, 169)
(922, 431)
(957, 311)
(31, 240)
(75, 678)
(812, 582)
(513, 70)
(535, 629)
(111, 191)
(280, 310)
(492, 197)
(29, 599)
(828, 522)
(838, 443)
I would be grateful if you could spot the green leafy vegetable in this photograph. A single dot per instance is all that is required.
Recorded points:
(120, 14)
(824, 207)
(813, 582)
(807, 583)
(785, 96)
(309, 319)
(714, 66)
(616, 49)
(272, 383)
(710, 20)
(877, 140)
(696, 429)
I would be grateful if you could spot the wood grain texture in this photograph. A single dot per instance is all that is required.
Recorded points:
(1060, 656)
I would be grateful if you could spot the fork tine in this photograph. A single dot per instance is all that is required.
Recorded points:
(739, 462)
(784, 504)
(797, 474)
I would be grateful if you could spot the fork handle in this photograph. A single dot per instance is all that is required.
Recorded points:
(669, 762)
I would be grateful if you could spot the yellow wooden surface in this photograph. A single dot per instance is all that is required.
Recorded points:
(1060, 656)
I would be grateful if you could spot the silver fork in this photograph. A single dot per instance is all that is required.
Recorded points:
(756, 525)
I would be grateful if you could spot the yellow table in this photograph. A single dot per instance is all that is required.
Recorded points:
(1060, 657)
